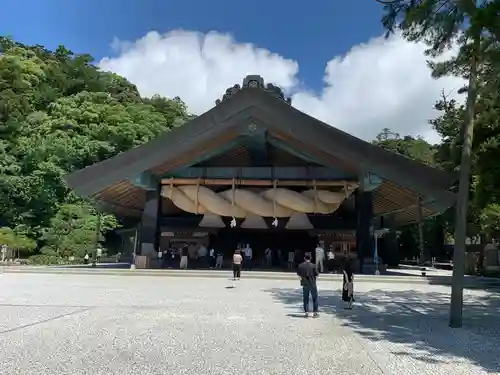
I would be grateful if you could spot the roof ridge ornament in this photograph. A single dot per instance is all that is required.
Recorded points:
(255, 82)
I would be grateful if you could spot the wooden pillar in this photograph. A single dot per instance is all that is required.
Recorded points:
(364, 236)
(149, 236)
(421, 243)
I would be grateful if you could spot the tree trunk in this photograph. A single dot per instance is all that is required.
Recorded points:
(457, 287)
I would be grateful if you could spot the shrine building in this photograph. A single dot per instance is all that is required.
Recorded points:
(253, 169)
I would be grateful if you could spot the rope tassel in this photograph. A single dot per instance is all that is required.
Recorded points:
(233, 196)
(275, 221)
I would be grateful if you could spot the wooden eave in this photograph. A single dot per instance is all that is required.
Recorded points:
(108, 180)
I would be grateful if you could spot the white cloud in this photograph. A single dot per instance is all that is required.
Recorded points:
(376, 85)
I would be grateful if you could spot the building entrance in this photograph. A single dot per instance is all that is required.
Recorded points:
(280, 241)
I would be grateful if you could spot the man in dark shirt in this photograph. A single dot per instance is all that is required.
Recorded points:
(308, 273)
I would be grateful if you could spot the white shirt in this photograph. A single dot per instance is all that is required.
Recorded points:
(331, 255)
(320, 253)
(160, 254)
(212, 252)
(248, 252)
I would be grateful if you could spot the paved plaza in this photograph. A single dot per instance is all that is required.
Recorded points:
(105, 324)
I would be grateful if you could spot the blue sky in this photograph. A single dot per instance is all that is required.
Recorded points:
(327, 54)
(311, 32)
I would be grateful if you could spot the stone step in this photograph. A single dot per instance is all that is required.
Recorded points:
(470, 281)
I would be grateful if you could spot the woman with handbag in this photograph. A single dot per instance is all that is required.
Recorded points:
(348, 284)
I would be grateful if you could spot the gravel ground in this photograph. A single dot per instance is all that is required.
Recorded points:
(101, 324)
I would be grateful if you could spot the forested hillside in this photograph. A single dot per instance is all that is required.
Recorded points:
(59, 113)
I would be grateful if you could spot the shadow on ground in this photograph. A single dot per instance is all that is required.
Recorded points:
(419, 322)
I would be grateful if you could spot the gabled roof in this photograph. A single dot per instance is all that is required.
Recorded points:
(230, 118)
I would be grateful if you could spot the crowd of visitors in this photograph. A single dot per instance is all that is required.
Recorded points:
(308, 266)
(192, 255)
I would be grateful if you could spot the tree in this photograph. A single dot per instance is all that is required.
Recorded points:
(415, 148)
(17, 242)
(72, 230)
(490, 220)
(59, 113)
(440, 23)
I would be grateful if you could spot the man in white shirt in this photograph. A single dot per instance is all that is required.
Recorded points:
(160, 259)
(320, 257)
(98, 253)
(211, 254)
(248, 257)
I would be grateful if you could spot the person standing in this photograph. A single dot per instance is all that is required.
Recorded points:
(219, 258)
(160, 258)
(279, 258)
(291, 257)
(86, 258)
(237, 260)
(248, 252)
(98, 253)
(184, 257)
(211, 255)
(330, 260)
(308, 273)
(268, 254)
(202, 256)
(348, 284)
(320, 257)
(3, 250)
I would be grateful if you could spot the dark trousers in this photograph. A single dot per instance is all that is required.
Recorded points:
(247, 263)
(236, 271)
(310, 289)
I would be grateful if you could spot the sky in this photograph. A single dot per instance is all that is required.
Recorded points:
(330, 56)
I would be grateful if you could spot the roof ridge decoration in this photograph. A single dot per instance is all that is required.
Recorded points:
(255, 82)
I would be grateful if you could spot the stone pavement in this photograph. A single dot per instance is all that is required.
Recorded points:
(105, 324)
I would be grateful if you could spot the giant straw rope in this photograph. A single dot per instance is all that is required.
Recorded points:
(240, 203)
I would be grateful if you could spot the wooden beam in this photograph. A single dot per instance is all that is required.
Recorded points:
(263, 173)
(280, 183)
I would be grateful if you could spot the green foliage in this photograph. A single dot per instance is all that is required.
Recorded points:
(60, 113)
(17, 241)
(440, 23)
(73, 230)
(415, 148)
(474, 27)
(46, 260)
(490, 220)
